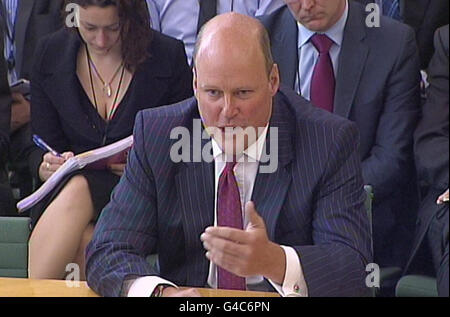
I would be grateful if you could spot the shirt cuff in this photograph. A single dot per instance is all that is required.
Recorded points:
(294, 284)
(145, 286)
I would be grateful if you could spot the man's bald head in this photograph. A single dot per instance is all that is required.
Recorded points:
(234, 31)
(235, 79)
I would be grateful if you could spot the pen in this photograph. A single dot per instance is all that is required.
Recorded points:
(39, 142)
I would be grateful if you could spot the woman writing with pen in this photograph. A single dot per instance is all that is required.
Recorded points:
(87, 86)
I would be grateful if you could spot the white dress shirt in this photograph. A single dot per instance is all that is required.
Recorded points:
(245, 171)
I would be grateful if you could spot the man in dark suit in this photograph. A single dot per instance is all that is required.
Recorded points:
(305, 229)
(370, 76)
(34, 19)
(6, 201)
(24, 23)
(430, 248)
(424, 16)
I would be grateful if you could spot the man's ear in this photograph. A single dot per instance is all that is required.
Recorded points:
(274, 79)
(194, 80)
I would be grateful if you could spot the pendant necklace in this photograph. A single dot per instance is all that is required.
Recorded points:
(106, 86)
(115, 105)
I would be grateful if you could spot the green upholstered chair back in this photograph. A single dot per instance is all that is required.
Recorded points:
(416, 286)
(14, 235)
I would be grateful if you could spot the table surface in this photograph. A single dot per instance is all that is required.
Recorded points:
(10, 287)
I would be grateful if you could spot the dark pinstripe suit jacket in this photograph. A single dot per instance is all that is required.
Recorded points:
(313, 202)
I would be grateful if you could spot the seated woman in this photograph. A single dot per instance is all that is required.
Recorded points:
(88, 84)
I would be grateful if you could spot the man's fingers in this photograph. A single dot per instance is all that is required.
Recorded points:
(233, 264)
(216, 244)
(227, 234)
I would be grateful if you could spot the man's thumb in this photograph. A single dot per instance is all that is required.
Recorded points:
(254, 220)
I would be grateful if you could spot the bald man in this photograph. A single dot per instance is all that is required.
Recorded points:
(217, 209)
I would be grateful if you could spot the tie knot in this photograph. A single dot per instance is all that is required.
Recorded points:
(229, 166)
(322, 43)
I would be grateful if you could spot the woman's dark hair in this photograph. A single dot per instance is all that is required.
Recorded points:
(135, 33)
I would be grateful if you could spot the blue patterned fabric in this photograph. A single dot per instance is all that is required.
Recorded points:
(391, 8)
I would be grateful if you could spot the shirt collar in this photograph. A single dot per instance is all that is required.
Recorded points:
(335, 33)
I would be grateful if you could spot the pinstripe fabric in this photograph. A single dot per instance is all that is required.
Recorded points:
(313, 202)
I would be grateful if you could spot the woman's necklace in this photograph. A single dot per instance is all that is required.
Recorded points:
(114, 105)
(106, 85)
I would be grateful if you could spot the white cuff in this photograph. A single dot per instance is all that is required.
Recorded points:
(145, 286)
(294, 284)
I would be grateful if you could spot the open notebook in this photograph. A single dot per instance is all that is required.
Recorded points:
(100, 158)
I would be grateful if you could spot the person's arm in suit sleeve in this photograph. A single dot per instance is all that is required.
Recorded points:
(127, 229)
(391, 159)
(432, 135)
(335, 264)
(45, 120)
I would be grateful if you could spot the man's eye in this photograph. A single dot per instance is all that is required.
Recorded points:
(213, 93)
(244, 93)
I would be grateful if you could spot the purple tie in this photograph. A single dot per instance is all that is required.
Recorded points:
(323, 83)
(229, 214)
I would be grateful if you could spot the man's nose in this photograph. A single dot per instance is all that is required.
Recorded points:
(229, 108)
(307, 4)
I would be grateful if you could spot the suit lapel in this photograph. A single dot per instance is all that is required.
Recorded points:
(270, 188)
(288, 56)
(195, 187)
(62, 83)
(352, 61)
(23, 17)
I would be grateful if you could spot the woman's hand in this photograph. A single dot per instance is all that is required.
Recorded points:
(51, 163)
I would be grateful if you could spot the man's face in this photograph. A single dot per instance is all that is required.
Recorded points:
(317, 15)
(233, 89)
